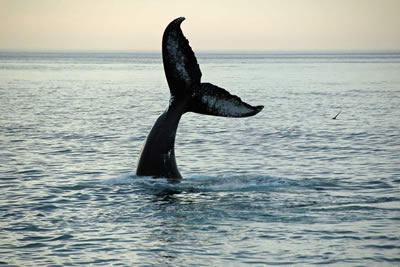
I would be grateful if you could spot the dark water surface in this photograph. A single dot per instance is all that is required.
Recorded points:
(289, 186)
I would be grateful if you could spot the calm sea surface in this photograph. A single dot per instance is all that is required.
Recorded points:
(288, 186)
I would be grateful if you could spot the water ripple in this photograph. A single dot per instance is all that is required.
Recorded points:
(289, 186)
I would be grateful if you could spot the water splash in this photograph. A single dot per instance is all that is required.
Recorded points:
(224, 183)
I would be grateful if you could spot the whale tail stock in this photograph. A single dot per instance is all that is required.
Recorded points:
(184, 80)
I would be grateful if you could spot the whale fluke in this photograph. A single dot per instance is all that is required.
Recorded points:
(188, 94)
(180, 64)
(209, 99)
(183, 75)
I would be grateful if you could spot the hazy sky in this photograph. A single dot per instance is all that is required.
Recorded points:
(209, 25)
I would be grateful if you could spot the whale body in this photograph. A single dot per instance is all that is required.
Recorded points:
(188, 94)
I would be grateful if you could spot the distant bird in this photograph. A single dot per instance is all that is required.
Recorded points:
(334, 118)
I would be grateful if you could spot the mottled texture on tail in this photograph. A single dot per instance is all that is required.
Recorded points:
(184, 79)
(180, 64)
(209, 99)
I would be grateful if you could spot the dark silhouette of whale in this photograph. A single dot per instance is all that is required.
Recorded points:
(188, 94)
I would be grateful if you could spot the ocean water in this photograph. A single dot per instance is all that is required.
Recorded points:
(289, 186)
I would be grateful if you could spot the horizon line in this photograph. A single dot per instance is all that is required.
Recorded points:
(244, 51)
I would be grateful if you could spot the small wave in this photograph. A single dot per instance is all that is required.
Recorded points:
(125, 178)
(225, 183)
(62, 237)
(33, 245)
(234, 183)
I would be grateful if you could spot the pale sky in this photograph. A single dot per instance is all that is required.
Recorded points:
(209, 24)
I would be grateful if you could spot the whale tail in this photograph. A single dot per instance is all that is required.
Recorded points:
(188, 94)
(184, 80)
